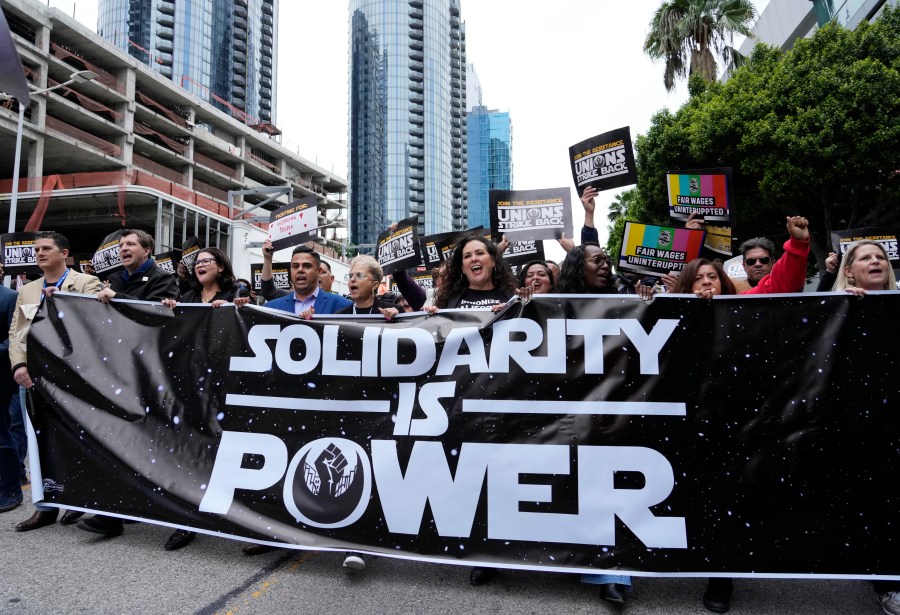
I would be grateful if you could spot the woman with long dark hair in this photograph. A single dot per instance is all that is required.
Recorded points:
(538, 275)
(476, 277)
(213, 281)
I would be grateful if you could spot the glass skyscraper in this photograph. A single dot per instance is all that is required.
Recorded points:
(221, 50)
(490, 160)
(407, 137)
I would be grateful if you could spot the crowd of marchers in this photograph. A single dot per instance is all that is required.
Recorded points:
(474, 276)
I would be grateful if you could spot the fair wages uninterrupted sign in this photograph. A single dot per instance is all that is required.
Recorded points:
(576, 433)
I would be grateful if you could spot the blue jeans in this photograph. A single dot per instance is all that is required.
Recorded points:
(9, 458)
(35, 476)
(603, 579)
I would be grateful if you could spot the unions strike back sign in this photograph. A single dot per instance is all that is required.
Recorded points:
(705, 192)
(190, 248)
(844, 240)
(521, 252)
(17, 253)
(106, 259)
(524, 215)
(168, 261)
(677, 436)
(657, 250)
(398, 250)
(281, 276)
(604, 162)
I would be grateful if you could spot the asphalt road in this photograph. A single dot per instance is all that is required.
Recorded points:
(61, 569)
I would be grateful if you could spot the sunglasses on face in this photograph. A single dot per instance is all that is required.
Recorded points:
(763, 260)
(359, 275)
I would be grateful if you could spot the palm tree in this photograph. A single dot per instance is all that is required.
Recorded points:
(690, 33)
(619, 207)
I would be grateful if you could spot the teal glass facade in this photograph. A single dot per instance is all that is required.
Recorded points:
(221, 50)
(490, 160)
(407, 124)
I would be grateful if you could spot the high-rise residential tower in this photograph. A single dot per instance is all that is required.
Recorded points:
(407, 137)
(490, 160)
(220, 50)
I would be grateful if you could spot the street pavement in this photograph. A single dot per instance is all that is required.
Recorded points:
(61, 569)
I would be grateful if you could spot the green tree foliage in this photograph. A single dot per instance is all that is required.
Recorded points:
(619, 207)
(688, 35)
(814, 131)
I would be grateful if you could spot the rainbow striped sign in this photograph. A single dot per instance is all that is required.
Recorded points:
(657, 250)
(702, 192)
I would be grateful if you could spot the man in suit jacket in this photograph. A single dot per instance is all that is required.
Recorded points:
(308, 298)
(51, 250)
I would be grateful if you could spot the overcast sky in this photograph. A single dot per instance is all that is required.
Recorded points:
(565, 71)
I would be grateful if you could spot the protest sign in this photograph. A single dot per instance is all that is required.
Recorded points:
(657, 250)
(189, 251)
(571, 434)
(17, 254)
(281, 276)
(430, 248)
(604, 162)
(295, 223)
(168, 261)
(734, 268)
(83, 263)
(844, 240)
(524, 215)
(449, 240)
(106, 259)
(718, 240)
(399, 250)
(520, 252)
(705, 192)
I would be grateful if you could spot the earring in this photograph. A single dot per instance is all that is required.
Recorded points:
(851, 280)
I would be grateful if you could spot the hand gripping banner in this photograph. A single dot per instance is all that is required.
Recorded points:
(749, 436)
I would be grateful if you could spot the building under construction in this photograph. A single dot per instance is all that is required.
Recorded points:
(133, 148)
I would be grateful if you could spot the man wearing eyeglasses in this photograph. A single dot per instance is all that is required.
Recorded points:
(757, 254)
(787, 274)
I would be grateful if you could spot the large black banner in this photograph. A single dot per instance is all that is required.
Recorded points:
(753, 436)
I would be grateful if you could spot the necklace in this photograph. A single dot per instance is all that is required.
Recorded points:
(203, 296)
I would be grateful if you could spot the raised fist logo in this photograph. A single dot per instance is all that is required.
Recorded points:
(331, 463)
(330, 482)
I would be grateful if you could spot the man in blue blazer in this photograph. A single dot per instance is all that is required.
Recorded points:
(307, 298)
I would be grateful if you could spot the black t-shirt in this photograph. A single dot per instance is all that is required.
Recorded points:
(472, 299)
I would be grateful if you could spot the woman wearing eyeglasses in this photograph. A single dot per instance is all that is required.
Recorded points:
(212, 281)
(365, 276)
(586, 270)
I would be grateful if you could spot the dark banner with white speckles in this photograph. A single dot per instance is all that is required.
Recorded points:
(753, 436)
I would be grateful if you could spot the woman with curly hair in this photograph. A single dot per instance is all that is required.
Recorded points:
(476, 277)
